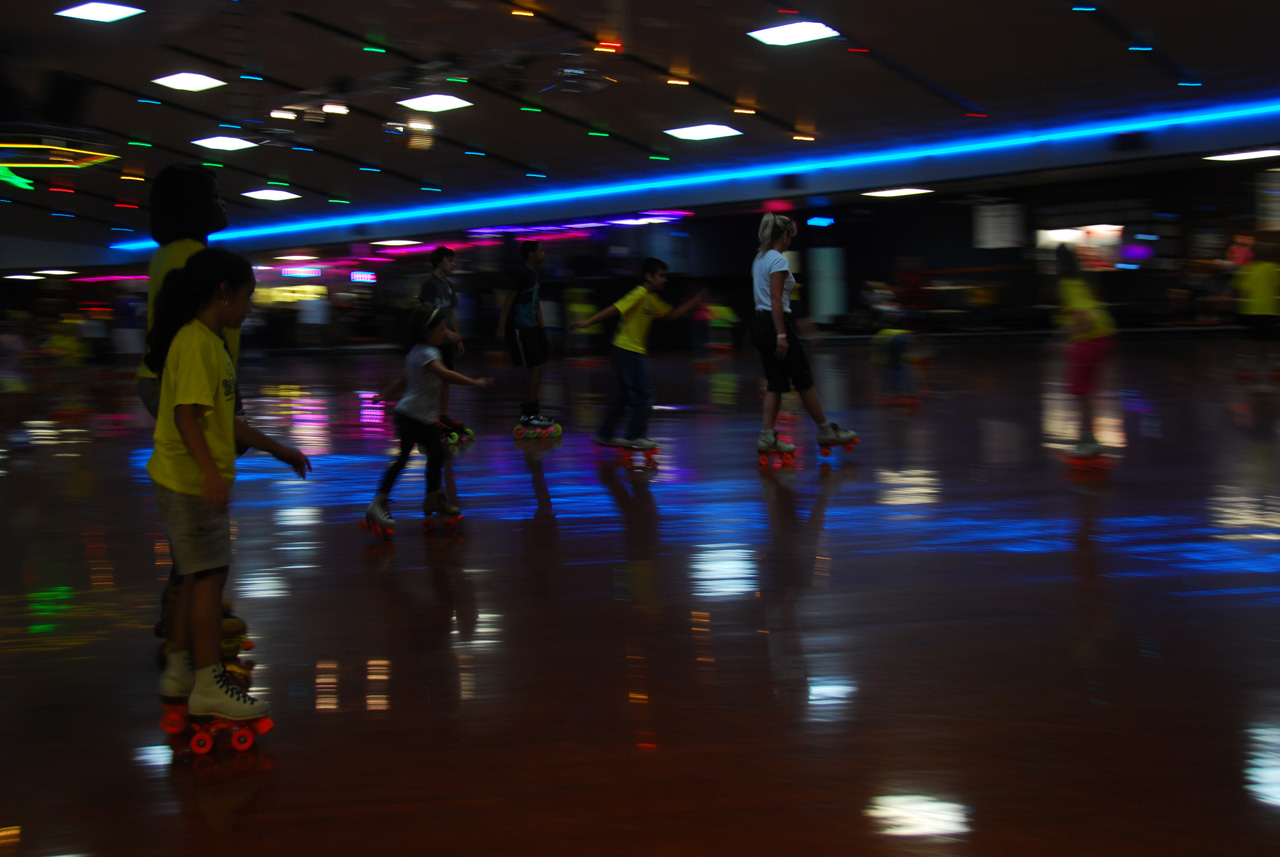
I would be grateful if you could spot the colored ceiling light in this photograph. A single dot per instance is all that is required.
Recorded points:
(435, 189)
(435, 103)
(225, 144)
(300, 272)
(105, 13)
(283, 114)
(132, 179)
(794, 34)
(522, 13)
(297, 258)
(364, 277)
(677, 82)
(803, 137)
(271, 195)
(703, 132)
(189, 81)
(1245, 156)
(744, 110)
(396, 242)
(898, 191)
(48, 156)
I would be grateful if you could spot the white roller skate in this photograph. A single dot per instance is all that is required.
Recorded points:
(377, 518)
(769, 445)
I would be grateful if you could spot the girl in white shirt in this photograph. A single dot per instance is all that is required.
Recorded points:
(776, 338)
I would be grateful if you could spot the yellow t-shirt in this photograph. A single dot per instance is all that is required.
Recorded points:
(1076, 295)
(1257, 284)
(168, 258)
(198, 371)
(639, 307)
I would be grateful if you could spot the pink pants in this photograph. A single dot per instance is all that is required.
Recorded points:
(1086, 356)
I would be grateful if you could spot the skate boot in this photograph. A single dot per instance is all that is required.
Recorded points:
(830, 435)
(377, 518)
(454, 431)
(769, 445)
(438, 504)
(234, 640)
(641, 443)
(215, 695)
(176, 684)
(1088, 447)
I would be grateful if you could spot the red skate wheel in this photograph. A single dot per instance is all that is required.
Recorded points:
(786, 458)
(764, 459)
(428, 523)
(519, 432)
(201, 743)
(242, 739)
(173, 723)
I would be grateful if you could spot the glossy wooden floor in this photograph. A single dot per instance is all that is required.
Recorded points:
(940, 646)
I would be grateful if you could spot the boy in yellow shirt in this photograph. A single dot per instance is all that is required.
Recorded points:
(637, 309)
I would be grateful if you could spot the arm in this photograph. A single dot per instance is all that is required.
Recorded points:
(502, 319)
(392, 391)
(687, 307)
(608, 312)
(776, 282)
(453, 327)
(457, 377)
(187, 419)
(250, 436)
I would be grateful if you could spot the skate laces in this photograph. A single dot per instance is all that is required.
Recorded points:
(233, 690)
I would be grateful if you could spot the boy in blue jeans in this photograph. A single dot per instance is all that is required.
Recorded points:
(637, 309)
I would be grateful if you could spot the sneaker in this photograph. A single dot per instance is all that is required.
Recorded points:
(769, 440)
(179, 676)
(216, 695)
(831, 434)
(623, 442)
(1086, 449)
(641, 443)
(537, 421)
(438, 504)
(448, 423)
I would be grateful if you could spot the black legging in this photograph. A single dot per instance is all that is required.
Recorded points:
(427, 438)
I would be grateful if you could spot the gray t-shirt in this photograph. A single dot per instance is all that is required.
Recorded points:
(421, 400)
(761, 270)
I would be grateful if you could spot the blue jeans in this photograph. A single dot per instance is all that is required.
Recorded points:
(634, 388)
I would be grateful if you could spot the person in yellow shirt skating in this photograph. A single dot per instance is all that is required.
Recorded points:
(637, 309)
(1258, 286)
(1092, 339)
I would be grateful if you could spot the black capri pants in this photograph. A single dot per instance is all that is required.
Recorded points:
(792, 370)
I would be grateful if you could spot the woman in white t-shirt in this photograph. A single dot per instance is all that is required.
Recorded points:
(775, 336)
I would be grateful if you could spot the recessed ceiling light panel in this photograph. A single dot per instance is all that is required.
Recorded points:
(226, 144)
(1245, 156)
(189, 81)
(437, 103)
(703, 132)
(794, 34)
(105, 13)
(898, 191)
(272, 194)
(397, 242)
(297, 258)
(57, 272)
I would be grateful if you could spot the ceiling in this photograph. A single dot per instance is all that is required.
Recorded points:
(917, 71)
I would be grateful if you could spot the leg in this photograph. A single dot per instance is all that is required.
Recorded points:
(772, 404)
(197, 623)
(641, 397)
(535, 383)
(1086, 419)
(813, 404)
(405, 430)
(618, 401)
(432, 445)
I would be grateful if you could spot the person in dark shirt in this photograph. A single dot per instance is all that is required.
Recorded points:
(521, 328)
(437, 293)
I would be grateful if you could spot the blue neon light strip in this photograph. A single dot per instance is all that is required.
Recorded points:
(848, 161)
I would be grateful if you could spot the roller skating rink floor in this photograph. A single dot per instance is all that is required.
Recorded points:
(938, 644)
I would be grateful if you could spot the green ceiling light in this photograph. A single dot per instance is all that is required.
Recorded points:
(7, 176)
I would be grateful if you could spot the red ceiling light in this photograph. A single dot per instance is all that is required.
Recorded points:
(125, 205)
(977, 115)
(609, 47)
(788, 11)
(61, 190)
(859, 50)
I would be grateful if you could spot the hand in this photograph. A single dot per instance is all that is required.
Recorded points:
(577, 325)
(296, 459)
(781, 351)
(214, 494)
(462, 349)
(484, 382)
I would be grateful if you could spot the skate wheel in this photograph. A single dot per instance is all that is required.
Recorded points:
(519, 432)
(173, 723)
(764, 459)
(428, 523)
(470, 433)
(555, 430)
(453, 437)
(452, 523)
(242, 739)
(201, 743)
(786, 459)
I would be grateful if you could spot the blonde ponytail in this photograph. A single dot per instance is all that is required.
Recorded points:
(772, 227)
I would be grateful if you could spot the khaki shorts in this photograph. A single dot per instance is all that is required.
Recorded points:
(198, 538)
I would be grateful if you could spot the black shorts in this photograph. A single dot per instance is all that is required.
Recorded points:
(792, 370)
(528, 346)
(1262, 328)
